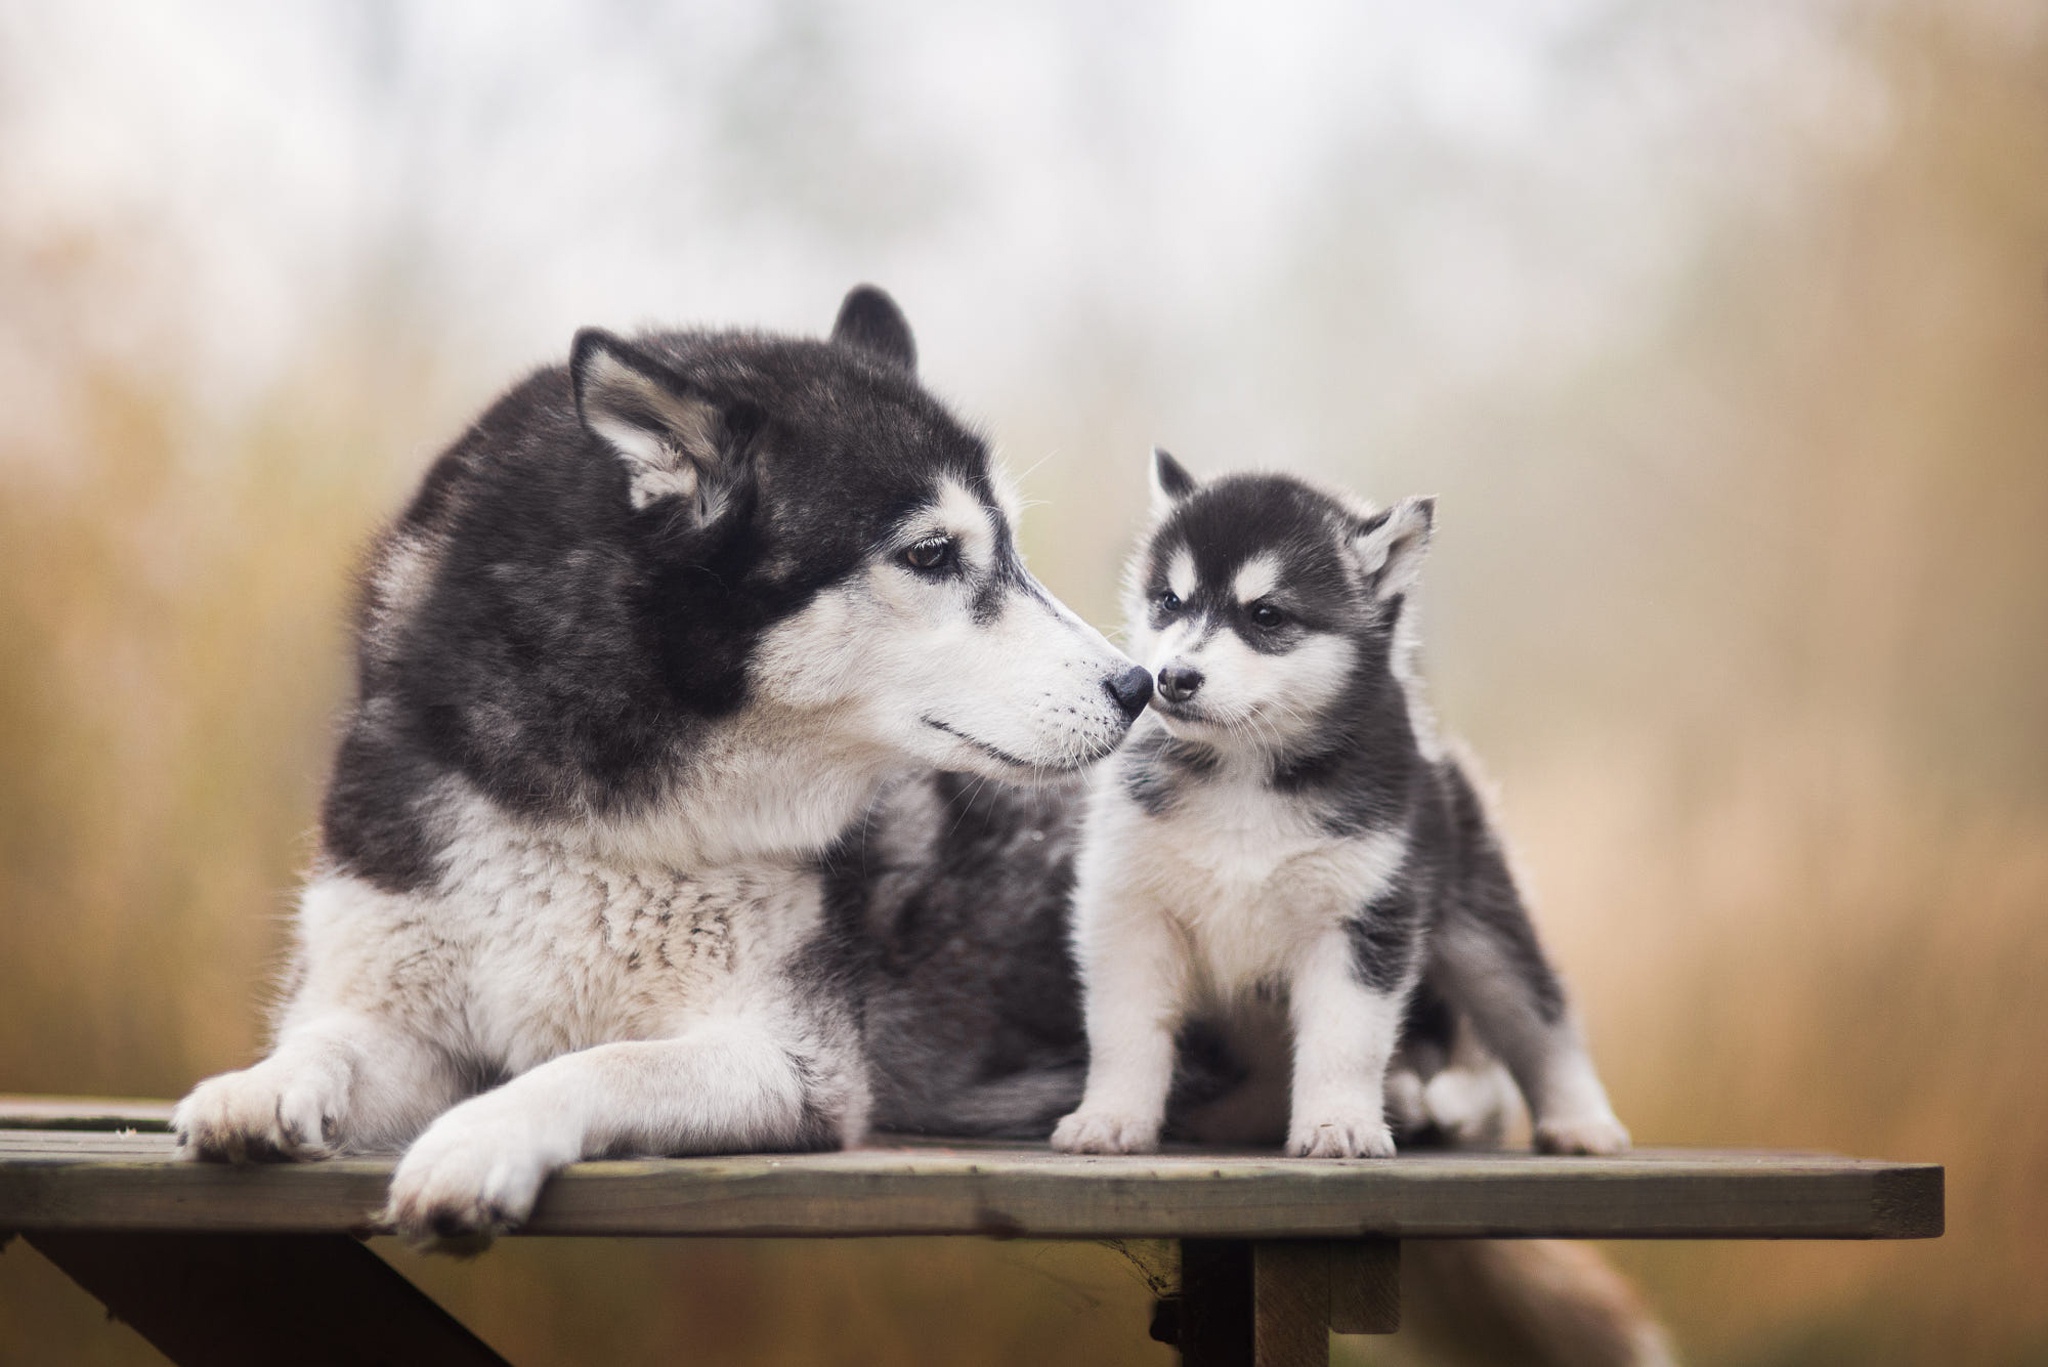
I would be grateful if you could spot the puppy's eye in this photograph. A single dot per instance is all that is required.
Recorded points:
(1169, 601)
(1267, 616)
(933, 555)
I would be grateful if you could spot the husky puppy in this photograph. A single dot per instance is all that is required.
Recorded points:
(1285, 847)
(650, 636)
(963, 888)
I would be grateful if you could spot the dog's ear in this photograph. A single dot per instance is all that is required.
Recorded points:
(1390, 544)
(870, 321)
(1171, 483)
(674, 442)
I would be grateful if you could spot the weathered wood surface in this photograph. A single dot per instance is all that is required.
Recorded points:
(1365, 1286)
(113, 1181)
(1274, 1302)
(1290, 1303)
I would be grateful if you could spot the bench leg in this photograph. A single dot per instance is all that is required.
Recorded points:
(1365, 1286)
(230, 1300)
(1273, 1303)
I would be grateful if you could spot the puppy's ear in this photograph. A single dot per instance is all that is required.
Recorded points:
(674, 442)
(870, 321)
(1389, 545)
(1171, 483)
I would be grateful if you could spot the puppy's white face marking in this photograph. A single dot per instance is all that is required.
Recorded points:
(944, 649)
(1249, 696)
(1256, 578)
(1264, 696)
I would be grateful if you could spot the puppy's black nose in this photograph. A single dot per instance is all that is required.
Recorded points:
(1132, 689)
(1178, 683)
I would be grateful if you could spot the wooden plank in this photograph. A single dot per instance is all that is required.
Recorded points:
(1254, 1303)
(83, 1113)
(1365, 1286)
(111, 1181)
(1291, 1303)
(254, 1300)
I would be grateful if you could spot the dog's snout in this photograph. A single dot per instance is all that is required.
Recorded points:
(1131, 689)
(1178, 683)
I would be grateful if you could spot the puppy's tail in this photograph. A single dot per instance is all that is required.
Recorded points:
(1539, 1302)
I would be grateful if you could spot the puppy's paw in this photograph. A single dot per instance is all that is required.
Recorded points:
(1473, 1106)
(466, 1180)
(1407, 1102)
(1105, 1132)
(1364, 1135)
(266, 1112)
(1598, 1135)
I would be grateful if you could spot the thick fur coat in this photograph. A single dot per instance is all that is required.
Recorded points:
(644, 646)
(1284, 847)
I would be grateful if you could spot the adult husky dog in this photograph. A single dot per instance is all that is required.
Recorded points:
(1286, 848)
(642, 647)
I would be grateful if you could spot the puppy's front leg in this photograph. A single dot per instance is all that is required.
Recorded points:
(1133, 972)
(1345, 1029)
(727, 1086)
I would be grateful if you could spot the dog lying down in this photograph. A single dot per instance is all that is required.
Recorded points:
(646, 642)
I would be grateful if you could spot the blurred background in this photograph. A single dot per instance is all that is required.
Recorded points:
(1721, 330)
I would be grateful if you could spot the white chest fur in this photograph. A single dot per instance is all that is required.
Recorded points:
(1248, 877)
(536, 947)
(1186, 912)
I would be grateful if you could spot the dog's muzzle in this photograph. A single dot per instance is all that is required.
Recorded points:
(1130, 690)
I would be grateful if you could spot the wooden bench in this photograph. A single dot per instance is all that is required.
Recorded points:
(264, 1264)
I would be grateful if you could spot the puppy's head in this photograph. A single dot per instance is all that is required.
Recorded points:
(1259, 601)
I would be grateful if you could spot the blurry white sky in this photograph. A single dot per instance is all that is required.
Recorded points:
(1498, 184)
(1470, 248)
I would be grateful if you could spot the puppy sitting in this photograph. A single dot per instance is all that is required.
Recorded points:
(1284, 841)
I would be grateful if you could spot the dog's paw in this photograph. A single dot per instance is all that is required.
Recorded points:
(466, 1180)
(1105, 1132)
(1599, 1136)
(1407, 1102)
(265, 1112)
(1473, 1106)
(1359, 1136)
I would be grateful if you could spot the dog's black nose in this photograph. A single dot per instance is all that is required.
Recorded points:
(1132, 689)
(1178, 683)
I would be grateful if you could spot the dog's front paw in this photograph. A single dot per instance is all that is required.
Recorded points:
(1599, 1136)
(466, 1180)
(1364, 1135)
(265, 1112)
(1105, 1132)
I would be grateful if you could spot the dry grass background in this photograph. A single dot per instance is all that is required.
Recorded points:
(1768, 722)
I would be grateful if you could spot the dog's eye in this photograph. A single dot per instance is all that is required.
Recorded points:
(1267, 616)
(933, 555)
(1169, 601)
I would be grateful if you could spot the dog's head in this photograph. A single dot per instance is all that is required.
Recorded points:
(829, 544)
(1261, 603)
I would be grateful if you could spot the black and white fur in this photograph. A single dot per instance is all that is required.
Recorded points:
(1284, 847)
(647, 641)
